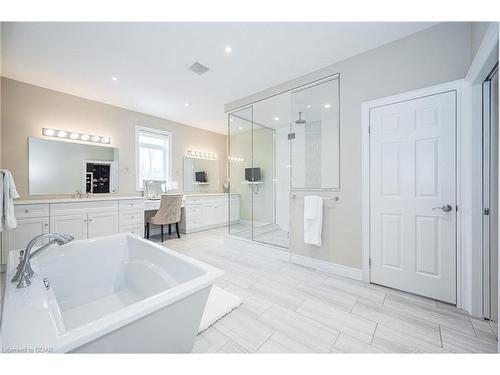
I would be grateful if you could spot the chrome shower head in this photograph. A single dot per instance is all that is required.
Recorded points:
(300, 121)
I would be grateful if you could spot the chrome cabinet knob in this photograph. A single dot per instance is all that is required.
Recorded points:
(445, 208)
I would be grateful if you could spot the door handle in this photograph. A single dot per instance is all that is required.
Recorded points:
(445, 208)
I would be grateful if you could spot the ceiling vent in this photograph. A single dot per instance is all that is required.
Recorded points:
(198, 68)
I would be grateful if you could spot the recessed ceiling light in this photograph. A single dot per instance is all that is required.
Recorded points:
(308, 106)
(276, 119)
(327, 105)
(186, 104)
(114, 78)
(228, 49)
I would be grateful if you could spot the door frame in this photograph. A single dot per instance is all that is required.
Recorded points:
(462, 163)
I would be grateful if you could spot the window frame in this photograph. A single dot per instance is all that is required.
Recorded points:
(158, 132)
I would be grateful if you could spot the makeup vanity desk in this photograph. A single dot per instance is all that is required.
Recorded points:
(203, 211)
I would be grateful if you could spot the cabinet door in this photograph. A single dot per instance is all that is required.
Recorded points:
(102, 224)
(26, 229)
(74, 225)
(207, 215)
(220, 213)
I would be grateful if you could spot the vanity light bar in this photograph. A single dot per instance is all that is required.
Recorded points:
(235, 159)
(201, 155)
(49, 132)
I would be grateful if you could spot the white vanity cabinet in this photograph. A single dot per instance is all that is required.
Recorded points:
(81, 218)
(202, 212)
(75, 225)
(131, 217)
(85, 219)
(26, 229)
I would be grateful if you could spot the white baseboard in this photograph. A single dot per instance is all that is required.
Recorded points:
(328, 267)
(275, 252)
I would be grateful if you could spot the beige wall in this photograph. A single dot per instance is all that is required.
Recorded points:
(26, 109)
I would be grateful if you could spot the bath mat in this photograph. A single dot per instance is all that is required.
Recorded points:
(219, 304)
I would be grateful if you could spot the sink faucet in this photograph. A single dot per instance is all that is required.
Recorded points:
(24, 270)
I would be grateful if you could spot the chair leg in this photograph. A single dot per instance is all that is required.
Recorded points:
(162, 233)
(169, 229)
(177, 229)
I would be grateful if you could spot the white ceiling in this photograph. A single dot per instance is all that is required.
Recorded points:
(150, 60)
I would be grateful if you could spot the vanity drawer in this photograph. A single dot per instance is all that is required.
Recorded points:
(193, 211)
(131, 204)
(26, 211)
(193, 224)
(131, 217)
(58, 209)
(135, 229)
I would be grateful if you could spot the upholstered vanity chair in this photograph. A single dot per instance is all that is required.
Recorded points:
(168, 213)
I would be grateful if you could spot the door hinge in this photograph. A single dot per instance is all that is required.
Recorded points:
(370, 261)
(486, 211)
(291, 136)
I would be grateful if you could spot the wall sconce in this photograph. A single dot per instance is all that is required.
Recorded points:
(235, 159)
(48, 132)
(201, 155)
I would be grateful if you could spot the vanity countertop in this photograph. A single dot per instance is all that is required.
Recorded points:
(71, 200)
(207, 194)
(107, 198)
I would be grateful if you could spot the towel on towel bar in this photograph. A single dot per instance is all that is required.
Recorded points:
(313, 219)
(8, 193)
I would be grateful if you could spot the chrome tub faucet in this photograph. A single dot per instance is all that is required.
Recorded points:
(24, 270)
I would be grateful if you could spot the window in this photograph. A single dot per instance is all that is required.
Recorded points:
(153, 155)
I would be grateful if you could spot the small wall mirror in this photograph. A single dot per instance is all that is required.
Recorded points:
(201, 175)
(153, 189)
(57, 167)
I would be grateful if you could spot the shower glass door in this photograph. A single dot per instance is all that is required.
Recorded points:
(240, 152)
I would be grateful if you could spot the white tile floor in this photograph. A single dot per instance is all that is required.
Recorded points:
(290, 308)
(293, 309)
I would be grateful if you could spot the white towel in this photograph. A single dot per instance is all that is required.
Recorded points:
(8, 193)
(313, 219)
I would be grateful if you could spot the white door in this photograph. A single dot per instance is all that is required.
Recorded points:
(412, 196)
(74, 225)
(26, 229)
(102, 224)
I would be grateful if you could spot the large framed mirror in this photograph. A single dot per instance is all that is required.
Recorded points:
(58, 167)
(201, 175)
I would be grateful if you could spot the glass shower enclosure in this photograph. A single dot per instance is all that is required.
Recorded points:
(280, 148)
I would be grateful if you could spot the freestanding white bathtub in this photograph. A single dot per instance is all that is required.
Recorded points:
(112, 294)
